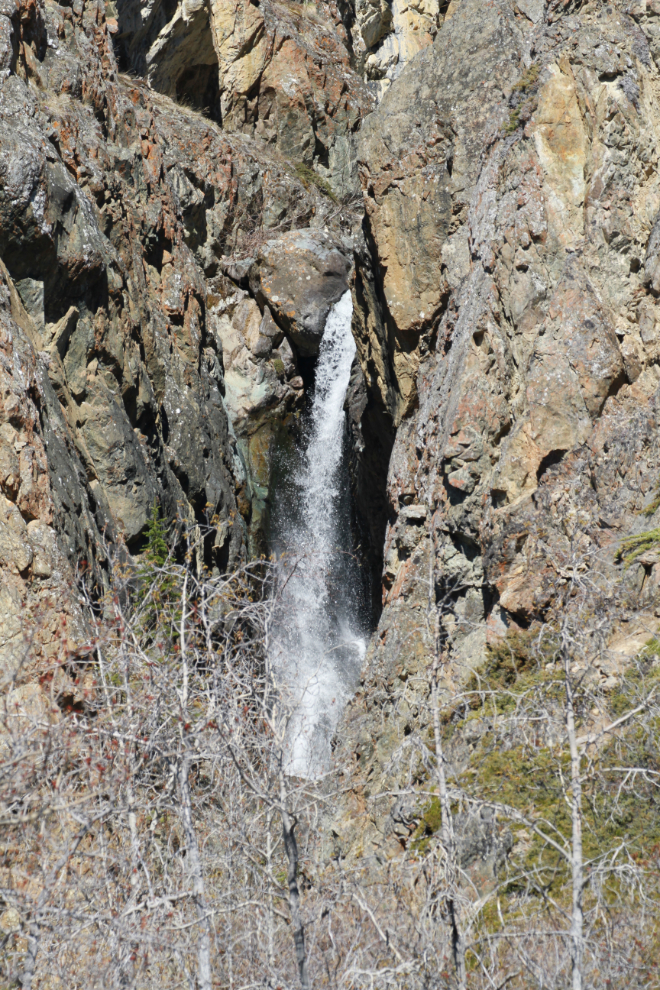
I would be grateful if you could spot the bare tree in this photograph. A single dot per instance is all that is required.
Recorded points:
(526, 742)
(152, 836)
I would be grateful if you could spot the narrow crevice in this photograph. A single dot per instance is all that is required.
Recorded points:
(371, 438)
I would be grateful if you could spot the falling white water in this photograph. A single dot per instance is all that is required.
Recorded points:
(319, 643)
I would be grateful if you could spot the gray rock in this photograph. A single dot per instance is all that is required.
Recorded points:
(32, 296)
(299, 277)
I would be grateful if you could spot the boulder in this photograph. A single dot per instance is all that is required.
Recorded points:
(299, 277)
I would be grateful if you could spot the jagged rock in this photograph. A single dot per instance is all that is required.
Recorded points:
(280, 71)
(418, 155)
(45, 495)
(511, 195)
(390, 34)
(261, 390)
(117, 210)
(169, 272)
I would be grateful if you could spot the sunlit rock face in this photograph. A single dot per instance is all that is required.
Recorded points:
(390, 34)
(481, 176)
(508, 320)
(301, 76)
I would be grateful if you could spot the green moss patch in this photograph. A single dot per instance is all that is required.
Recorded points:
(309, 177)
(634, 546)
(654, 505)
(528, 79)
(524, 87)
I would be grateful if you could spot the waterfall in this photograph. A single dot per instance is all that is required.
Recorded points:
(319, 643)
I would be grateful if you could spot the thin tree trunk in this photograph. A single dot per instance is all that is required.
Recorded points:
(34, 932)
(577, 867)
(33, 940)
(192, 849)
(448, 842)
(291, 847)
(195, 866)
(269, 868)
(447, 827)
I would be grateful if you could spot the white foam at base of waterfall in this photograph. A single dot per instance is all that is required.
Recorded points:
(318, 645)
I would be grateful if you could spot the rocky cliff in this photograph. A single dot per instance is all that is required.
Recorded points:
(507, 320)
(186, 189)
(143, 251)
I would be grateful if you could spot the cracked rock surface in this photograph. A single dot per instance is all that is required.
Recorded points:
(173, 236)
(139, 367)
(508, 322)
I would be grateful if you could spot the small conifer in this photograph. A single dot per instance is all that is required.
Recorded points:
(157, 550)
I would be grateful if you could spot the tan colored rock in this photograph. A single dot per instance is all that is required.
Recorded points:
(417, 168)
(15, 551)
(559, 133)
(530, 431)
(393, 34)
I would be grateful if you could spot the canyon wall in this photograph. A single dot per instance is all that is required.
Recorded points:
(508, 322)
(143, 251)
(185, 191)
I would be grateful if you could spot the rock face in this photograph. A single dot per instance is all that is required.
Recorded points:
(299, 277)
(389, 35)
(167, 273)
(508, 322)
(277, 70)
(45, 521)
(300, 75)
(126, 344)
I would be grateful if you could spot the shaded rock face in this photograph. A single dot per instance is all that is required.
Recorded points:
(281, 71)
(139, 366)
(122, 316)
(507, 314)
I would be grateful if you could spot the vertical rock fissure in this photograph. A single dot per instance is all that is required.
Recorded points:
(320, 640)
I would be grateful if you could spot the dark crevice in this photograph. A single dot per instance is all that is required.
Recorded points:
(307, 371)
(371, 438)
(521, 619)
(550, 460)
(165, 424)
(321, 153)
(498, 498)
(617, 385)
(456, 496)
(198, 87)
